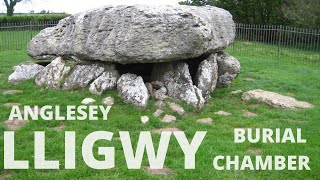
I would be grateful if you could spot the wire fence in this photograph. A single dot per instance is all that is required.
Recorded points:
(281, 42)
(270, 41)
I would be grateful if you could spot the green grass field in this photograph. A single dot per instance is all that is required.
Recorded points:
(280, 75)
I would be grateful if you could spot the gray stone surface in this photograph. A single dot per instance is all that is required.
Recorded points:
(178, 81)
(161, 94)
(82, 75)
(157, 113)
(222, 113)
(131, 89)
(157, 84)
(136, 34)
(177, 108)
(168, 118)
(109, 101)
(53, 74)
(150, 89)
(205, 121)
(207, 76)
(229, 69)
(87, 101)
(144, 119)
(275, 100)
(106, 81)
(24, 71)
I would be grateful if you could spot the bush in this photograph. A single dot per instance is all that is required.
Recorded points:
(32, 18)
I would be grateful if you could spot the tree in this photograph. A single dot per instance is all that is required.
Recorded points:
(303, 13)
(248, 11)
(10, 4)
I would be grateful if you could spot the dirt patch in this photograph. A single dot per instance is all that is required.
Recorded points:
(236, 92)
(222, 113)
(159, 131)
(255, 151)
(249, 79)
(205, 121)
(159, 172)
(11, 92)
(60, 127)
(5, 176)
(249, 114)
(15, 124)
(11, 104)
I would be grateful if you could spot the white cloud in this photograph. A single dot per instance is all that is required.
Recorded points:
(74, 6)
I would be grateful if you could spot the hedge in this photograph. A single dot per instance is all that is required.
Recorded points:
(32, 18)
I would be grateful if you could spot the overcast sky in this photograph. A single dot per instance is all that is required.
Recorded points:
(74, 6)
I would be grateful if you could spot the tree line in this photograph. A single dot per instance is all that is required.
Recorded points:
(301, 13)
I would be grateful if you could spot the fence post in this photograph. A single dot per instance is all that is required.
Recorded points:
(279, 29)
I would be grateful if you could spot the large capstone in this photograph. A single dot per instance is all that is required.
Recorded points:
(53, 74)
(24, 71)
(132, 89)
(137, 34)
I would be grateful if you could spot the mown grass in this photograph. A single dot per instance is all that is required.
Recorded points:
(282, 76)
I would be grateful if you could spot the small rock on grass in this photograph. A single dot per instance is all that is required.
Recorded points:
(249, 114)
(205, 121)
(236, 92)
(255, 151)
(11, 92)
(160, 172)
(157, 113)
(87, 101)
(222, 113)
(60, 127)
(144, 119)
(11, 104)
(15, 124)
(168, 118)
(160, 104)
(160, 94)
(172, 129)
(109, 101)
(177, 108)
(249, 79)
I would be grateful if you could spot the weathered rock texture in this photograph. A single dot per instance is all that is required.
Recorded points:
(53, 74)
(275, 100)
(158, 52)
(178, 81)
(229, 69)
(137, 34)
(207, 76)
(131, 89)
(24, 71)
(82, 75)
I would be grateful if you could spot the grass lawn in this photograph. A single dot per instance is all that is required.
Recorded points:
(286, 77)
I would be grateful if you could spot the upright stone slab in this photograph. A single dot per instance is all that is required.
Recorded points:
(207, 76)
(82, 75)
(53, 74)
(178, 81)
(131, 89)
(229, 69)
